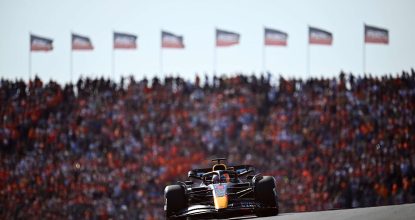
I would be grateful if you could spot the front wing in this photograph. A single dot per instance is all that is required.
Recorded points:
(234, 209)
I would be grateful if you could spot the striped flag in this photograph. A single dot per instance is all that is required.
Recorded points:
(169, 40)
(376, 35)
(319, 36)
(124, 41)
(274, 37)
(40, 43)
(81, 43)
(226, 38)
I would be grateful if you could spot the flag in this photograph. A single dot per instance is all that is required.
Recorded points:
(40, 43)
(319, 36)
(81, 43)
(124, 41)
(226, 38)
(169, 40)
(275, 37)
(376, 35)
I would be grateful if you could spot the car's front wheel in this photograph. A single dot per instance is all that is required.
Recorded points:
(265, 193)
(175, 200)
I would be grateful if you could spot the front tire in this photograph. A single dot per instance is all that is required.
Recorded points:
(265, 193)
(175, 200)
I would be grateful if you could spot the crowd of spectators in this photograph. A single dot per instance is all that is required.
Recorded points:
(104, 150)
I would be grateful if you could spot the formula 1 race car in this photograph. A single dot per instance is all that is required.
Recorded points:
(222, 192)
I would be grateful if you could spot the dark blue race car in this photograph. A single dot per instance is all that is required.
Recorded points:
(221, 192)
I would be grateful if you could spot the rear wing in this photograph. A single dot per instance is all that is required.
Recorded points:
(239, 169)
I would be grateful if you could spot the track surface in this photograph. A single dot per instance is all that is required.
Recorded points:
(404, 212)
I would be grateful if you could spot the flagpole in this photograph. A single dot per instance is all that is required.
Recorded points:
(113, 64)
(308, 59)
(161, 59)
(364, 49)
(30, 64)
(263, 54)
(161, 52)
(71, 68)
(71, 60)
(263, 58)
(214, 58)
(214, 53)
(30, 56)
(113, 59)
(364, 57)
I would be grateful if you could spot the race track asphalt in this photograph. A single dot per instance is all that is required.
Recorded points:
(398, 212)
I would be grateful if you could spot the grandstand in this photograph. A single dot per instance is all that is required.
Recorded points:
(98, 149)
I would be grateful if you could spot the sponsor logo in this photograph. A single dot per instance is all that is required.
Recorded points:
(220, 190)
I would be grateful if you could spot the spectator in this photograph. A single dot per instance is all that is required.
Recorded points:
(100, 150)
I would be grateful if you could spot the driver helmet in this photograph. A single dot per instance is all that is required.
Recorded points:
(215, 179)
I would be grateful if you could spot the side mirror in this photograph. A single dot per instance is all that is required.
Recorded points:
(192, 174)
(245, 172)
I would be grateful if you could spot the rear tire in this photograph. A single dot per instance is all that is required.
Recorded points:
(266, 194)
(175, 201)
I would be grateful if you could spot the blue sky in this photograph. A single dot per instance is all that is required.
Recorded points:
(196, 21)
